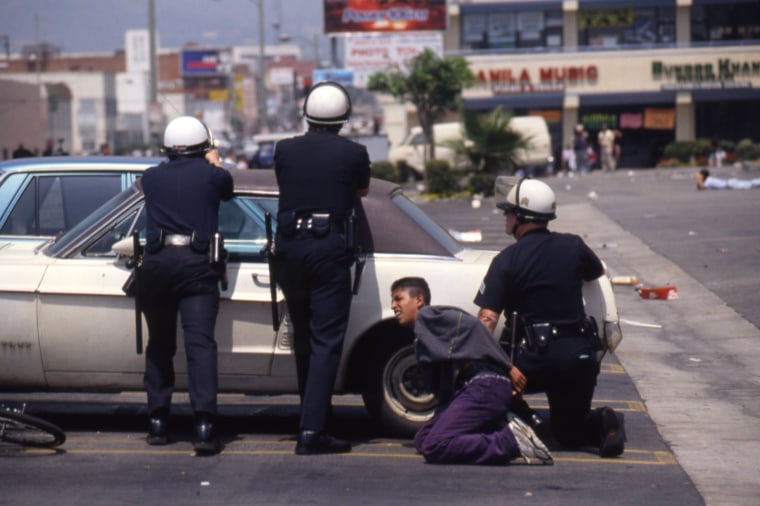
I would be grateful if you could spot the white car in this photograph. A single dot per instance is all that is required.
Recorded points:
(67, 324)
(43, 197)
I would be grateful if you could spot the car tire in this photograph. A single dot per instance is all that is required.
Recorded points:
(395, 394)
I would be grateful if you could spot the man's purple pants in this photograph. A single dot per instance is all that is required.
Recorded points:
(473, 428)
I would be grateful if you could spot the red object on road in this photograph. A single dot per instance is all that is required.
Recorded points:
(661, 292)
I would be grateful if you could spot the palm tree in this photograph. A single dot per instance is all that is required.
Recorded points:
(490, 144)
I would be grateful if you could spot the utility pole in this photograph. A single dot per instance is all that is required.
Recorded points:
(154, 109)
(261, 88)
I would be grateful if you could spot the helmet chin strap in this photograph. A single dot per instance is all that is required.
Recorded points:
(518, 221)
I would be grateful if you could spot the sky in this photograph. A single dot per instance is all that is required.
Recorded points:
(98, 25)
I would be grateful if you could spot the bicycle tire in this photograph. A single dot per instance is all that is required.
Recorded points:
(28, 430)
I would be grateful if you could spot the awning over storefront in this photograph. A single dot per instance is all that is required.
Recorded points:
(727, 95)
(525, 101)
(642, 98)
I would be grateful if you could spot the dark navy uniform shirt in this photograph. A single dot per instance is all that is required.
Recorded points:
(182, 197)
(541, 276)
(320, 171)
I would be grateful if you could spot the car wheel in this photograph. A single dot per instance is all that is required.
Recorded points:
(396, 394)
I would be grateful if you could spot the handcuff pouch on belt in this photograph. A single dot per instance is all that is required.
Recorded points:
(318, 224)
(539, 336)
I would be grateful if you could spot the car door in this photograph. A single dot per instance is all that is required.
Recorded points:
(87, 325)
(246, 339)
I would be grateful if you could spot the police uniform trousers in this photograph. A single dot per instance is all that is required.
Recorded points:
(473, 428)
(566, 371)
(179, 280)
(314, 274)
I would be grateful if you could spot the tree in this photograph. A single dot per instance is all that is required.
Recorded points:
(490, 144)
(434, 85)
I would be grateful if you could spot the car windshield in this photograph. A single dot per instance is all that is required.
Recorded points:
(96, 216)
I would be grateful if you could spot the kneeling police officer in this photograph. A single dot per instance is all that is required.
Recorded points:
(182, 199)
(539, 280)
(321, 176)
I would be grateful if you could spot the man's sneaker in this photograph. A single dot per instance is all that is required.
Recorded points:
(532, 449)
(613, 441)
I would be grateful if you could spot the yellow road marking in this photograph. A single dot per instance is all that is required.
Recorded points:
(238, 448)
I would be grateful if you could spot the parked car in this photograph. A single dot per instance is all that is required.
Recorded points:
(68, 325)
(43, 197)
(411, 150)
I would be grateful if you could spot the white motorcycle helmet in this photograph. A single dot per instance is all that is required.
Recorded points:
(327, 103)
(187, 135)
(528, 199)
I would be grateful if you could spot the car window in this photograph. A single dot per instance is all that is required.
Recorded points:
(121, 229)
(241, 223)
(69, 240)
(53, 204)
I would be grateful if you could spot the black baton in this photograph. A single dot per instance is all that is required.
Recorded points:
(136, 267)
(514, 338)
(272, 273)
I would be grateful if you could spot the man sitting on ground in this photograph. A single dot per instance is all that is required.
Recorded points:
(473, 379)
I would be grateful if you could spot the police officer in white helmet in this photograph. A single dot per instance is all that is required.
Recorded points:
(321, 177)
(539, 280)
(182, 199)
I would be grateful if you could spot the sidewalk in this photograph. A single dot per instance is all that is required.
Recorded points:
(695, 373)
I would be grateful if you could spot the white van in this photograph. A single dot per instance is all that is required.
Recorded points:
(534, 128)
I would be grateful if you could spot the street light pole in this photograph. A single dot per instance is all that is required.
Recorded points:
(261, 91)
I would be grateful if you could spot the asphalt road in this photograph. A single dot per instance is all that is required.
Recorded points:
(685, 378)
(694, 361)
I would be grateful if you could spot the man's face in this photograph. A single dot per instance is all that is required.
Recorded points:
(511, 220)
(406, 307)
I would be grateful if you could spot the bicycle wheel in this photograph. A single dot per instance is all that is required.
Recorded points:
(29, 430)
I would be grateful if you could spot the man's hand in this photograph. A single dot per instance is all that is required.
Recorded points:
(488, 318)
(212, 157)
(518, 380)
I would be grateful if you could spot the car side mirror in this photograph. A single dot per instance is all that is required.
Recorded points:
(124, 247)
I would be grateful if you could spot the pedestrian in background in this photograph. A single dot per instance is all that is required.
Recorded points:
(321, 176)
(182, 198)
(580, 146)
(606, 139)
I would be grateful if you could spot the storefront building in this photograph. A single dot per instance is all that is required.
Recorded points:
(656, 70)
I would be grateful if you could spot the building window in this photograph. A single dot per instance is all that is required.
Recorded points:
(509, 29)
(626, 26)
(725, 22)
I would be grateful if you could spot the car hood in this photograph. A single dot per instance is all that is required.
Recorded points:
(477, 256)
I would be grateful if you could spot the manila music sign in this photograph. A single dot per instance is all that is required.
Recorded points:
(548, 79)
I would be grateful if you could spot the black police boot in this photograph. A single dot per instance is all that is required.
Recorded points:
(613, 441)
(206, 442)
(312, 442)
(158, 428)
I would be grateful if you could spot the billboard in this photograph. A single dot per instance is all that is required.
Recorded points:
(367, 54)
(384, 15)
(203, 62)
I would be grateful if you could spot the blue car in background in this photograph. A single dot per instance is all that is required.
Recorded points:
(263, 156)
